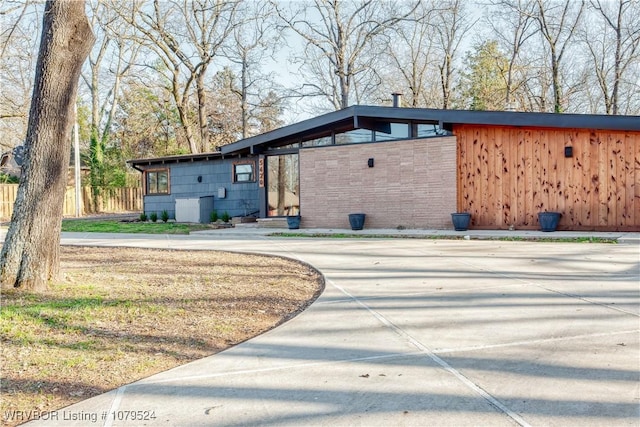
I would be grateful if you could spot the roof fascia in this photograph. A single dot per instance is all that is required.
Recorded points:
(365, 116)
(506, 118)
(549, 120)
(291, 131)
(175, 159)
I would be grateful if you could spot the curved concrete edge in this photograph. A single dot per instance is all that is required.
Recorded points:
(412, 332)
(618, 236)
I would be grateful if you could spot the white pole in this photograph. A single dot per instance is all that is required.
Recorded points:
(76, 161)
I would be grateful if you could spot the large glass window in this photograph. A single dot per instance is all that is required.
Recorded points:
(158, 181)
(398, 131)
(283, 197)
(325, 140)
(357, 136)
(428, 130)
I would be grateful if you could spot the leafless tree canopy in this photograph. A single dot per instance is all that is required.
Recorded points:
(177, 76)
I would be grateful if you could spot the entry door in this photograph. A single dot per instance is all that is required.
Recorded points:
(283, 181)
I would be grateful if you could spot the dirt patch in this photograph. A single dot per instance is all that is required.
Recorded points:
(123, 314)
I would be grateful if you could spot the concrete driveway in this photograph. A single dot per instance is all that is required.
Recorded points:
(412, 332)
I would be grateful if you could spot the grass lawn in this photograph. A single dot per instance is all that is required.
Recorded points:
(113, 226)
(122, 314)
(444, 237)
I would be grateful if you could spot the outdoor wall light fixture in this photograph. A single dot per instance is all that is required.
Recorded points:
(370, 162)
(568, 151)
(200, 178)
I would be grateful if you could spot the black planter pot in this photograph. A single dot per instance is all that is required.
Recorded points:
(293, 222)
(356, 220)
(461, 221)
(549, 220)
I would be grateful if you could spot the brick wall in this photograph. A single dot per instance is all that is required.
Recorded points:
(412, 184)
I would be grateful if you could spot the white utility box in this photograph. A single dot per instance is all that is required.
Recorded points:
(196, 209)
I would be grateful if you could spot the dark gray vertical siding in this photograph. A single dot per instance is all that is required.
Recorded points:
(240, 199)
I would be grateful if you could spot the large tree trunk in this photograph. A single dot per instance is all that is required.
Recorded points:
(202, 115)
(30, 255)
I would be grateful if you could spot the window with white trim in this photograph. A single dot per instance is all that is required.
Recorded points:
(244, 172)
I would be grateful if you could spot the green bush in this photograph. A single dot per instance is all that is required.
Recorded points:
(164, 216)
(225, 216)
(8, 179)
(143, 217)
(214, 216)
(153, 217)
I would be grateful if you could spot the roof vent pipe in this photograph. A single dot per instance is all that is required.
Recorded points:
(397, 99)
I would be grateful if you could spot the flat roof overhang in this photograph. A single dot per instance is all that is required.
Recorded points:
(183, 158)
(372, 117)
(369, 117)
(336, 121)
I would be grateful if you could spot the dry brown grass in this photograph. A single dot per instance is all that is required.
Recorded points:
(123, 314)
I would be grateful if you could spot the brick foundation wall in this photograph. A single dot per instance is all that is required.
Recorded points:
(412, 184)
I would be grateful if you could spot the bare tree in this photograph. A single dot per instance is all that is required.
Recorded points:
(413, 61)
(225, 107)
(12, 14)
(342, 41)
(30, 255)
(451, 24)
(110, 61)
(613, 43)
(18, 54)
(253, 41)
(147, 123)
(187, 35)
(268, 113)
(512, 23)
(558, 22)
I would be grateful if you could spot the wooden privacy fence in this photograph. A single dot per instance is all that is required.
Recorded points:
(113, 201)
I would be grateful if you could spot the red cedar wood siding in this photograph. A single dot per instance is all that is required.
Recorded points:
(412, 184)
(506, 175)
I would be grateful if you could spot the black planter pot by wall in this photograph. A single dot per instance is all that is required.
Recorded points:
(549, 220)
(461, 221)
(356, 220)
(293, 222)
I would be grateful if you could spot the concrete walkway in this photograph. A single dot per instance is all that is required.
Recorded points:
(412, 332)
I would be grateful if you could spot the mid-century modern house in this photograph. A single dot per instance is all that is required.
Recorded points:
(412, 168)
